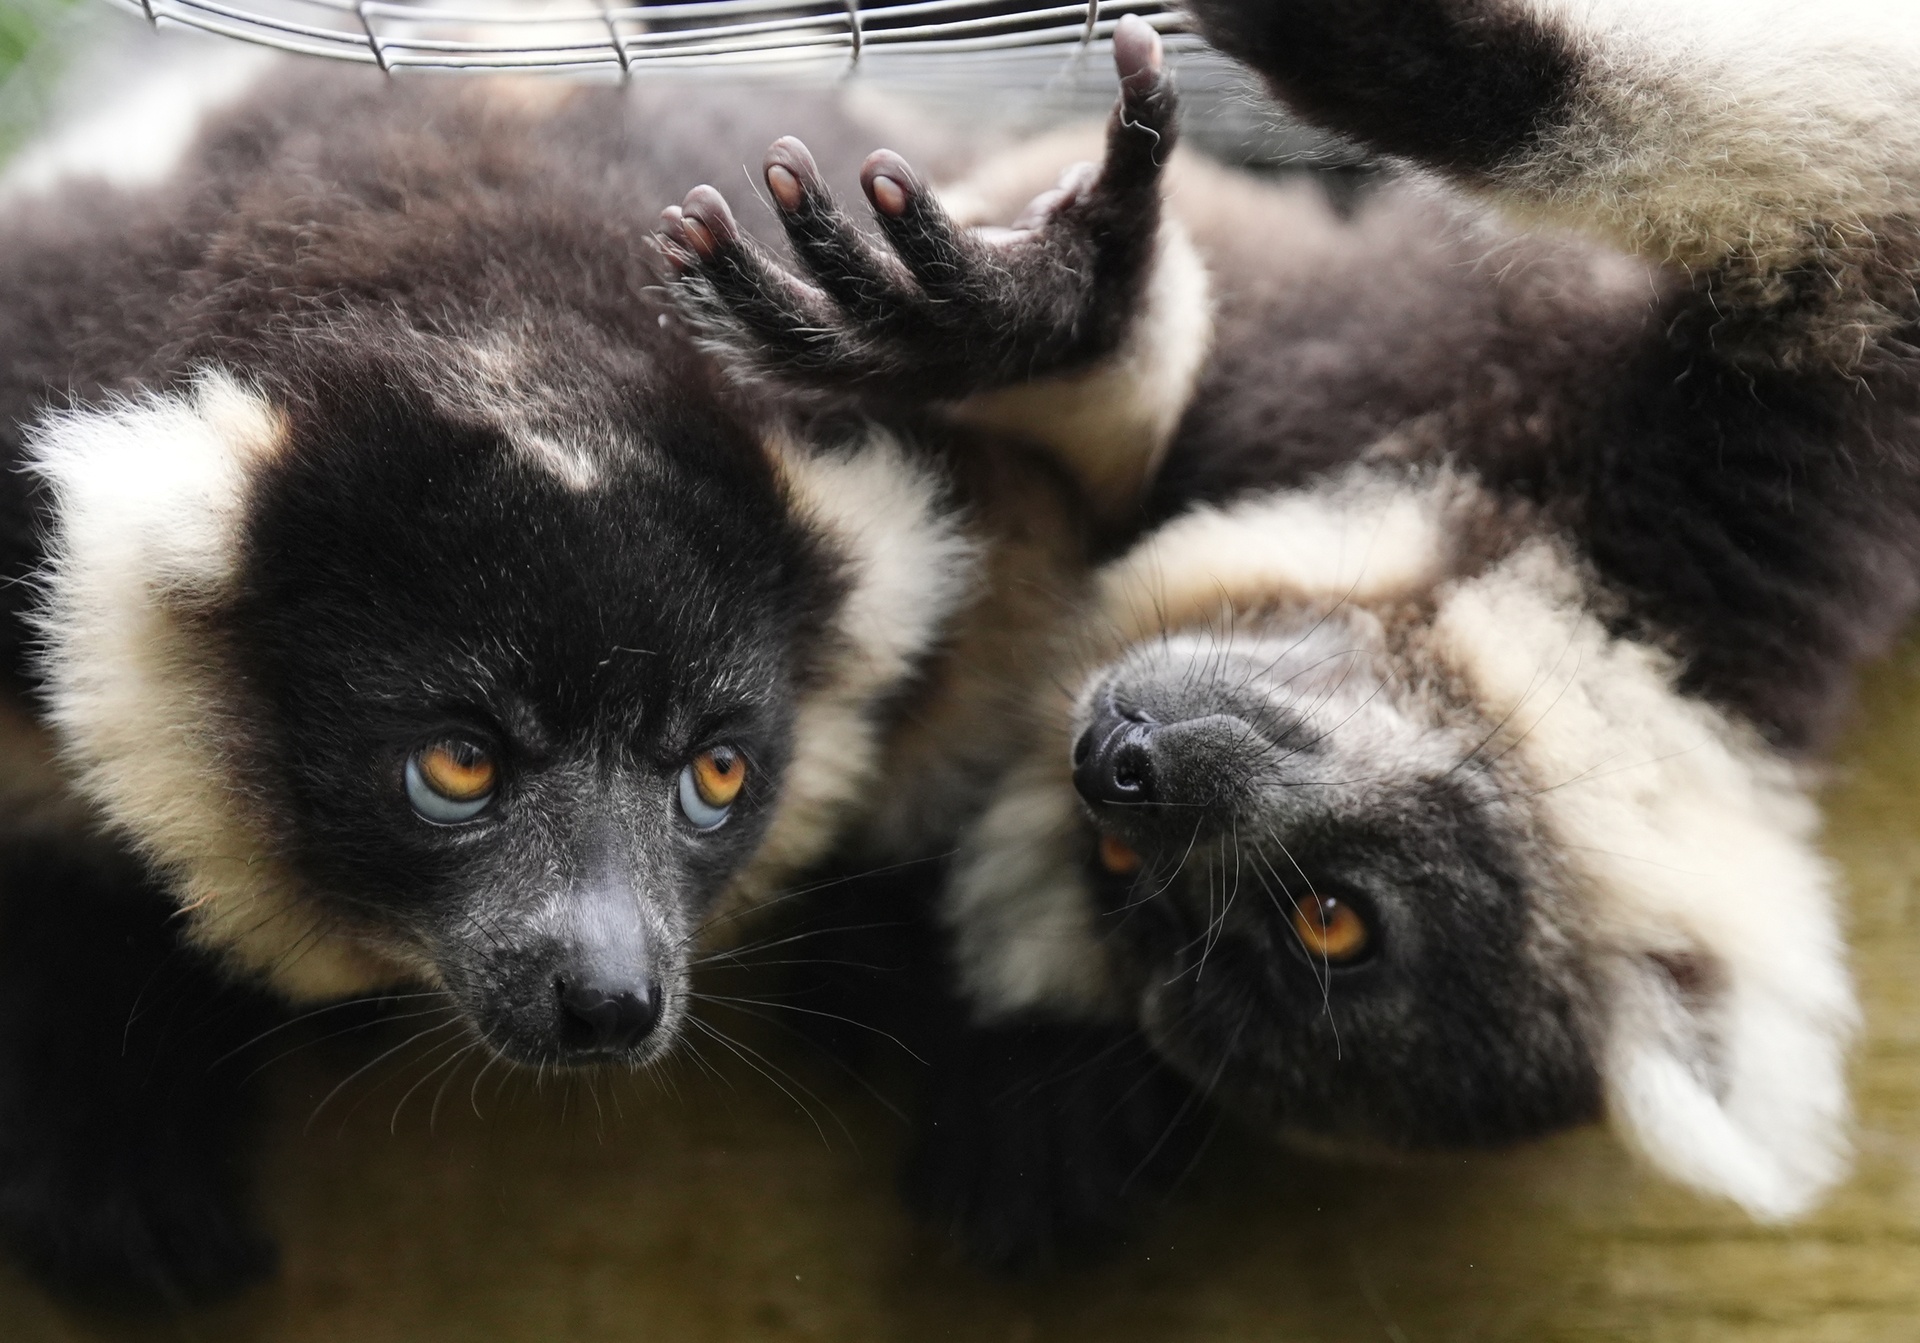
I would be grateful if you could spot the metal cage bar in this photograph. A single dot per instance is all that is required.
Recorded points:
(531, 35)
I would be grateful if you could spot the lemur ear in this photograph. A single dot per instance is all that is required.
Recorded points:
(1731, 1076)
(149, 492)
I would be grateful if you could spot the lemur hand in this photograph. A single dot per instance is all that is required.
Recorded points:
(938, 311)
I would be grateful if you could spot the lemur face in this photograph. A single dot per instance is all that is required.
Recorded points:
(524, 724)
(1331, 908)
(502, 703)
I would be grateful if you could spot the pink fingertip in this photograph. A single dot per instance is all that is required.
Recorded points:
(888, 195)
(1137, 48)
(699, 237)
(785, 187)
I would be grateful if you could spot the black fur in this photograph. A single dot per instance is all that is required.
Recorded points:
(1041, 1139)
(124, 1061)
(1752, 491)
(1462, 84)
(1461, 1024)
(1037, 1141)
(1708, 482)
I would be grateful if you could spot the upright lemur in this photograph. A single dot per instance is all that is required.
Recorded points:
(397, 595)
(1433, 775)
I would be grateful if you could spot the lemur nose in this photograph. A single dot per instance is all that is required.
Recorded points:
(1111, 762)
(606, 1018)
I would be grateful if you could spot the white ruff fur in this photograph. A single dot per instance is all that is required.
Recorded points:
(1711, 127)
(910, 565)
(149, 501)
(1112, 423)
(1359, 537)
(1693, 842)
(1023, 919)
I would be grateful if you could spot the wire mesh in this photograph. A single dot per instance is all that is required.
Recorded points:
(668, 34)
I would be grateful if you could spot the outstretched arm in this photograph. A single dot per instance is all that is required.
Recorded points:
(1075, 301)
(1771, 142)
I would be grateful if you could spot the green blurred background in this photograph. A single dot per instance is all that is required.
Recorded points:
(31, 33)
(705, 1204)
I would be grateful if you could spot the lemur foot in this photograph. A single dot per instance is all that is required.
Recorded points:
(939, 311)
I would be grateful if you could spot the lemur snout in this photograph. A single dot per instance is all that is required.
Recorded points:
(605, 1017)
(1128, 758)
(1113, 759)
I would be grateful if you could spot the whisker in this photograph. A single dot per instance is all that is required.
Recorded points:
(374, 1062)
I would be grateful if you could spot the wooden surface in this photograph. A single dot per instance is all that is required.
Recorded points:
(712, 1208)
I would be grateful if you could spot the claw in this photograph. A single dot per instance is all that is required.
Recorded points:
(929, 306)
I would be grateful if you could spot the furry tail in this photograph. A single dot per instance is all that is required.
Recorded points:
(1770, 146)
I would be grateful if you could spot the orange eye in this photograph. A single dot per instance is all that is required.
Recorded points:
(719, 775)
(1330, 930)
(1117, 856)
(457, 770)
(451, 780)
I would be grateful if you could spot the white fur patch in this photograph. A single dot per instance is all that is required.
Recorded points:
(910, 564)
(1695, 847)
(1710, 127)
(1023, 918)
(149, 499)
(1363, 537)
(140, 136)
(541, 422)
(1111, 424)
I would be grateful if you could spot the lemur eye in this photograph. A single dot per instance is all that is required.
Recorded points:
(1330, 930)
(710, 783)
(1117, 856)
(451, 780)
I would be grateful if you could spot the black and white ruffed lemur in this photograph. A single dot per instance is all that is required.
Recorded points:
(398, 594)
(1434, 774)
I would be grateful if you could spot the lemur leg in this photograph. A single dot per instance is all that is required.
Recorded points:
(122, 1086)
(1084, 282)
(1767, 146)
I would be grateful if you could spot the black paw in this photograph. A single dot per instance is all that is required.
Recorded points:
(156, 1247)
(1042, 1140)
(938, 311)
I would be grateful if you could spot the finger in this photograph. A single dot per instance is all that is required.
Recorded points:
(669, 238)
(942, 258)
(835, 253)
(1141, 134)
(1138, 55)
(733, 290)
